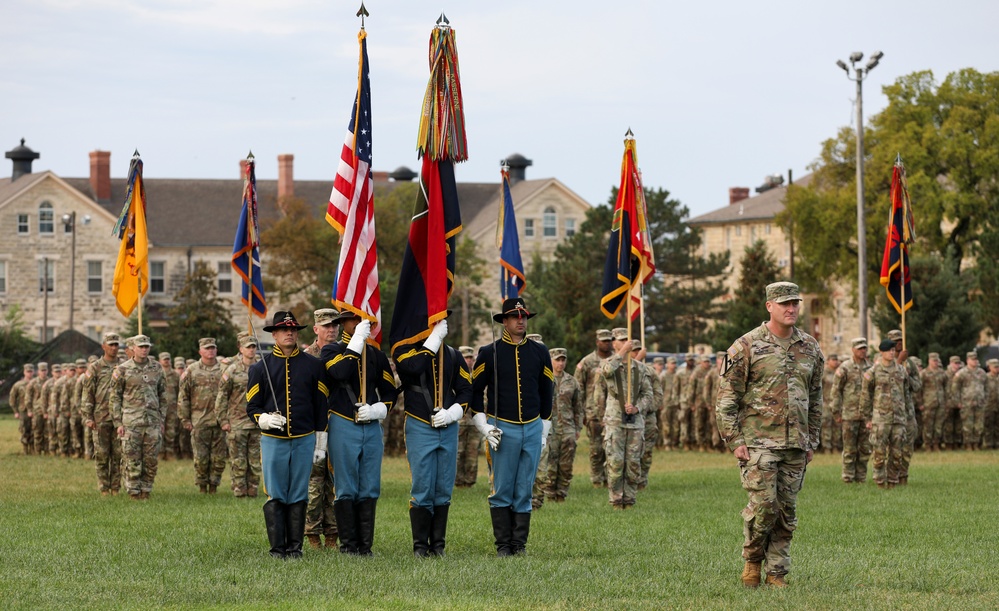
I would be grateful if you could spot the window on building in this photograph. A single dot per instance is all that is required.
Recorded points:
(46, 335)
(752, 233)
(570, 227)
(549, 222)
(22, 224)
(728, 238)
(225, 277)
(3, 276)
(766, 229)
(157, 278)
(738, 231)
(46, 219)
(95, 276)
(528, 228)
(41, 275)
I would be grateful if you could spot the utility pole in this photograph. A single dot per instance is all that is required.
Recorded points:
(69, 220)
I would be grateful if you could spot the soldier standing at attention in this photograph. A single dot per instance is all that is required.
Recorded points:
(969, 393)
(355, 441)
(846, 397)
(770, 414)
(990, 439)
(883, 400)
(242, 433)
(951, 436)
(697, 402)
(438, 387)
(96, 408)
(469, 438)
(319, 517)
(516, 374)
(913, 386)
(624, 422)
(587, 374)
(199, 386)
(37, 408)
(286, 396)
(934, 390)
(46, 402)
(137, 411)
(171, 421)
(670, 424)
(685, 416)
(64, 408)
(659, 367)
(20, 404)
(182, 446)
(76, 420)
(568, 412)
(832, 431)
(651, 420)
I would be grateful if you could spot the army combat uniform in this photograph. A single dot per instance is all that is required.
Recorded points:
(651, 419)
(969, 394)
(171, 424)
(96, 407)
(856, 440)
(934, 390)
(669, 425)
(568, 413)
(20, 403)
(137, 405)
(587, 374)
(624, 434)
(883, 399)
(243, 433)
(199, 387)
(832, 431)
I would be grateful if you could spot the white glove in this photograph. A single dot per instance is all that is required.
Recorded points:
(437, 335)
(271, 421)
(546, 427)
(361, 332)
(367, 413)
(491, 433)
(320, 453)
(444, 417)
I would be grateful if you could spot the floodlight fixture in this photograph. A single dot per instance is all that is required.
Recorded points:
(856, 56)
(842, 64)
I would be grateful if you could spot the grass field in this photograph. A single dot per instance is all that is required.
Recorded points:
(931, 545)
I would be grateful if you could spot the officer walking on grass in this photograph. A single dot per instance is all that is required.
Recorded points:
(770, 413)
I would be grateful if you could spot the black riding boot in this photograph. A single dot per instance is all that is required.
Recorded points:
(420, 518)
(295, 521)
(438, 529)
(346, 524)
(521, 529)
(365, 511)
(274, 517)
(502, 529)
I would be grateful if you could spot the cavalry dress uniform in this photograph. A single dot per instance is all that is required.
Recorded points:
(770, 400)
(244, 434)
(884, 390)
(517, 407)
(356, 447)
(432, 450)
(296, 390)
(199, 387)
(96, 406)
(138, 404)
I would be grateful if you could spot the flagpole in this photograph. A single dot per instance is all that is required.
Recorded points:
(902, 252)
(138, 280)
(641, 305)
(249, 291)
(627, 356)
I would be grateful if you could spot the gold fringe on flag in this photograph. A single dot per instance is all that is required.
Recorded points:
(442, 124)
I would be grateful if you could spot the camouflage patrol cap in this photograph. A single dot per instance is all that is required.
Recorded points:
(534, 337)
(915, 360)
(164, 355)
(56, 367)
(66, 366)
(604, 335)
(325, 316)
(704, 358)
(141, 341)
(43, 366)
(833, 357)
(955, 360)
(780, 292)
(895, 335)
(859, 342)
(80, 362)
(690, 357)
(112, 339)
(658, 361)
(207, 342)
(992, 362)
(241, 335)
(188, 362)
(29, 366)
(671, 359)
(247, 341)
(636, 344)
(558, 353)
(178, 361)
(933, 356)
(129, 341)
(620, 333)
(971, 355)
(466, 351)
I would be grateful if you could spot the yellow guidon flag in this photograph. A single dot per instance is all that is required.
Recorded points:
(131, 272)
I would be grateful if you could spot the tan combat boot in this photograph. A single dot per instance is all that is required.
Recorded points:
(331, 541)
(751, 574)
(776, 581)
(314, 541)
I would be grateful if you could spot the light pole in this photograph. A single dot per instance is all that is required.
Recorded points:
(69, 221)
(860, 73)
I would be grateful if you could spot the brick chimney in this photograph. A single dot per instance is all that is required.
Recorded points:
(100, 175)
(242, 168)
(286, 176)
(737, 194)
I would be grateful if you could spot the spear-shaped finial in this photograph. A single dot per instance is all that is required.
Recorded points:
(362, 13)
(249, 156)
(898, 158)
(628, 135)
(504, 165)
(443, 21)
(135, 155)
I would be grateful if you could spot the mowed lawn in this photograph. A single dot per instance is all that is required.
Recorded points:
(932, 545)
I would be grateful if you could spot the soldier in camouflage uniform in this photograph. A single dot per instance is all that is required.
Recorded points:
(933, 380)
(669, 424)
(846, 395)
(969, 392)
(199, 386)
(76, 427)
(951, 433)
(990, 439)
(469, 439)
(568, 412)
(651, 417)
(913, 386)
(713, 384)
(832, 431)
(45, 401)
(883, 399)
(769, 410)
(171, 421)
(63, 394)
(624, 424)
(685, 416)
(182, 446)
(37, 407)
(587, 374)
(319, 517)
(697, 402)
(20, 403)
(137, 411)
(96, 407)
(243, 434)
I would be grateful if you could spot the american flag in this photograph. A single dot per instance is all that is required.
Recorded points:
(351, 211)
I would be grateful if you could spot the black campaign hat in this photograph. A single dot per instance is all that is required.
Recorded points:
(283, 320)
(513, 306)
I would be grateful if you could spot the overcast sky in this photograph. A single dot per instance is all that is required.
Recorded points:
(718, 94)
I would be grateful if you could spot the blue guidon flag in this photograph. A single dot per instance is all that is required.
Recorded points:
(511, 265)
(246, 247)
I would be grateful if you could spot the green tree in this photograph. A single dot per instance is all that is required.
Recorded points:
(757, 269)
(16, 347)
(199, 312)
